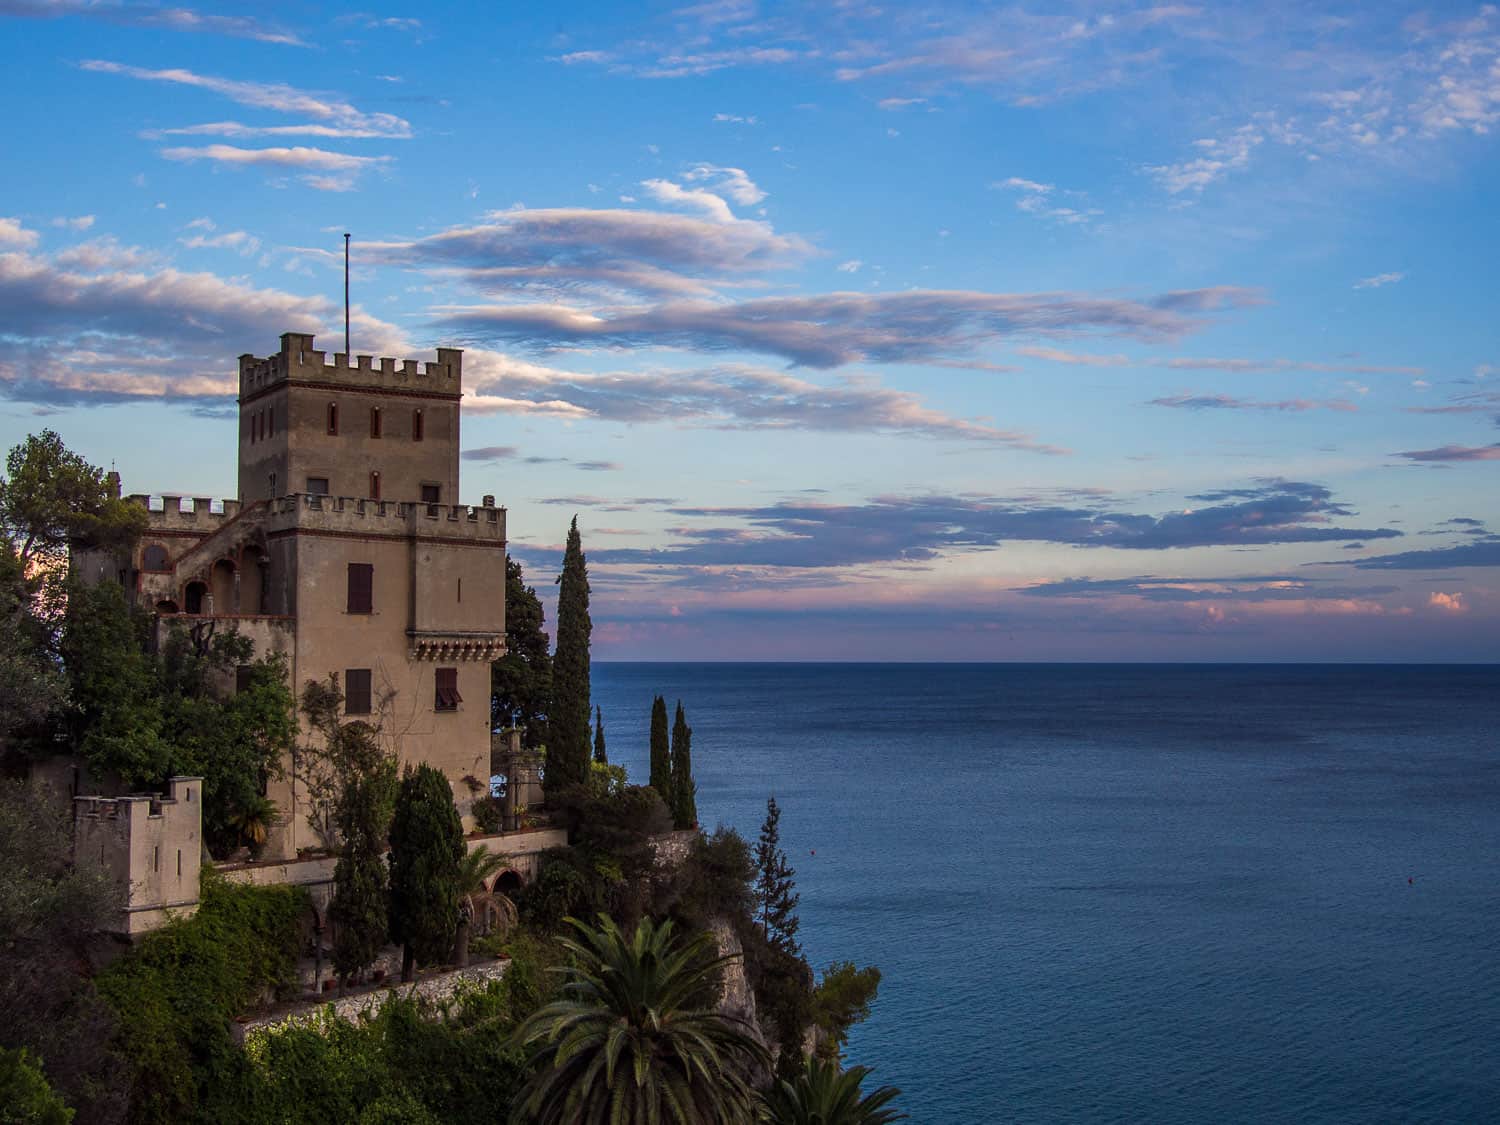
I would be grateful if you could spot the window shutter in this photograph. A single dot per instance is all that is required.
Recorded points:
(361, 588)
(356, 691)
(242, 676)
(448, 698)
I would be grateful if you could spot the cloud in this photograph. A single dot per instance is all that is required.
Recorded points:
(1226, 402)
(145, 15)
(899, 103)
(701, 199)
(734, 119)
(1219, 156)
(608, 251)
(267, 95)
(1057, 355)
(834, 329)
(12, 233)
(76, 223)
(1211, 363)
(344, 168)
(242, 242)
(853, 265)
(1483, 553)
(1447, 603)
(491, 454)
(1379, 280)
(103, 323)
(1039, 199)
(236, 130)
(917, 529)
(1150, 588)
(1454, 453)
(729, 396)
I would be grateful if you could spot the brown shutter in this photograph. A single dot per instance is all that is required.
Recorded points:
(447, 697)
(356, 691)
(361, 588)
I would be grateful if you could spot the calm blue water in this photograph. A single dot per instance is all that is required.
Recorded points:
(1130, 893)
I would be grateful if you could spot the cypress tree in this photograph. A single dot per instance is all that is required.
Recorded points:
(684, 804)
(776, 898)
(427, 849)
(601, 755)
(521, 680)
(359, 911)
(568, 752)
(661, 754)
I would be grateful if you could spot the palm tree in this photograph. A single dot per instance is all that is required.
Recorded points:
(474, 871)
(633, 1035)
(825, 1095)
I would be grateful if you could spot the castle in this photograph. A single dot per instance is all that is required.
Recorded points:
(347, 552)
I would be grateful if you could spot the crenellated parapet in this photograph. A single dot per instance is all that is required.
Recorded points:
(150, 845)
(355, 515)
(175, 512)
(299, 362)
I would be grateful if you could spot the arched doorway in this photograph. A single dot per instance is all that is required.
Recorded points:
(508, 884)
(193, 596)
(252, 580)
(155, 558)
(166, 606)
(225, 587)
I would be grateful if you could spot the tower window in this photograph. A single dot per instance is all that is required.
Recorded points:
(447, 697)
(361, 588)
(356, 691)
(374, 486)
(432, 494)
(270, 420)
(374, 421)
(333, 419)
(416, 425)
(317, 486)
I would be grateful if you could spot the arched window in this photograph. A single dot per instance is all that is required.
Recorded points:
(374, 421)
(333, 419)
(155, 558)
(416, 425)
(374, 486)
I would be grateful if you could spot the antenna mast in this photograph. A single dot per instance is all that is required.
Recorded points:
(347, 351)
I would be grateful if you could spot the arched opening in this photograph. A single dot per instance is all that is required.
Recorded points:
(375, 421)
(416, 425)
(333, 419)
(252, 580)
(166, 605)
(155, 558)
(223, 584)
(508, 884)
(374, 486)
(192, 597)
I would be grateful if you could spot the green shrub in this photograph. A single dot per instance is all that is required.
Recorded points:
(488, 816)
(177, 991)
(25, 1095)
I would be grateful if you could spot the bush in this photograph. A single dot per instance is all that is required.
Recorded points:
(176, 992)
(488, 815)
(25, 1096)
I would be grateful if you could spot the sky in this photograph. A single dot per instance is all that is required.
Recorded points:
(1056, 332)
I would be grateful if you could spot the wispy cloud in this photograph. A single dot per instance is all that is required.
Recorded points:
(324, 170)
(152, 16)
(1379, 280)
(1228, 402)
(919, 529)
(1041, 200)
(274, 96)
(728, 396)
(1454, 453)
(835, 329)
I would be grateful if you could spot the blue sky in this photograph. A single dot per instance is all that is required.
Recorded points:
(1061, 332)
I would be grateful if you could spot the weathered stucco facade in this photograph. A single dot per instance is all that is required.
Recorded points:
(346, 551)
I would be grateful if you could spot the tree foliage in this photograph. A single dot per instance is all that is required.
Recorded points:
(360, 909)
(661, 752)
(427, 850)
(601, 753)
(26, 1097)
(630, 1039)
(51, 906)
(776, 898)
(521, 680)
(684, 802)
(51, 498)
(822, 1094)
(568, 745)
(841, 1000)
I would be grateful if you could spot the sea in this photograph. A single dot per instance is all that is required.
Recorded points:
(1129, 893)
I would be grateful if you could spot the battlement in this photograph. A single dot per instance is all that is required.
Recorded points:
(358, 515)
(299, 361)
(167, 511)
(150, 845)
